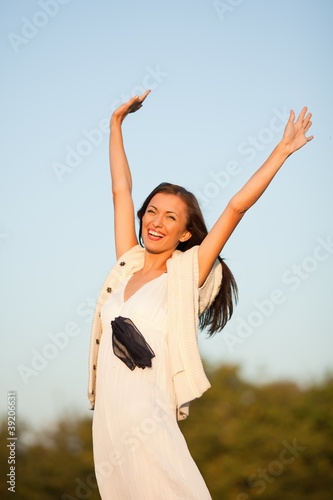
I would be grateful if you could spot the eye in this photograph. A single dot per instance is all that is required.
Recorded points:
(150, 211)
(171, 217)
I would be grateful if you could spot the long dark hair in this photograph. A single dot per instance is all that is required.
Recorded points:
(220, 311)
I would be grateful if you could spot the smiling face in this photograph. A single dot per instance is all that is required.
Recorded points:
(164, 223)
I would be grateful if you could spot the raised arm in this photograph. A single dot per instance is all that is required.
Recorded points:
(294, 138)
(121, 179)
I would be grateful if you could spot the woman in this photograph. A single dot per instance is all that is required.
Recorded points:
(149, 366)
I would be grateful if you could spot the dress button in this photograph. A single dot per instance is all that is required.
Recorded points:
(122, 263)
(97, 341)
(94, 367)
(109, 289)
(99, 314)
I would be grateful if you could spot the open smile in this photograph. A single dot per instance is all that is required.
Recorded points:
(154, 235)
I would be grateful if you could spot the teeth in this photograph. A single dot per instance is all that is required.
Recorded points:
(155, 234)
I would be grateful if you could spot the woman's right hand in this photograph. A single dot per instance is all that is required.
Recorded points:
(130, 106)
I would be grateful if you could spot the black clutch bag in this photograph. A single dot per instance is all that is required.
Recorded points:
(129, 344)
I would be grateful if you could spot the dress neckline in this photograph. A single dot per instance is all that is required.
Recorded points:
(139, 289)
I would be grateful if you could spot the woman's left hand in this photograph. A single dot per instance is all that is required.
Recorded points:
(294, 136)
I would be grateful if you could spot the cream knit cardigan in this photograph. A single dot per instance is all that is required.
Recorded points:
(185, 303)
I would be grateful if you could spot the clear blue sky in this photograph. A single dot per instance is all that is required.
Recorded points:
(223, 80)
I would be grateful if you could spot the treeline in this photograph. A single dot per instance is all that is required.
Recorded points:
(272, 442)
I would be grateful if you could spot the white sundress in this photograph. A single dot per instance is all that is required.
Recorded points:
(139, 450)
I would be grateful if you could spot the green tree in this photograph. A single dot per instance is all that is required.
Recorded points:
(273, 441)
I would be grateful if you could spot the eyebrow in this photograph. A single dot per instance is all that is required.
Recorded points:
(167, 212)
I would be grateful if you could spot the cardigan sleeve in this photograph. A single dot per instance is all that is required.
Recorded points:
(188, 374)
(211, 287)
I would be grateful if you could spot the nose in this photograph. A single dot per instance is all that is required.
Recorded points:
(157, 222)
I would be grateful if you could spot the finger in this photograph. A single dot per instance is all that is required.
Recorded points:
(291, 116)
(143, 96)
(308, 139)
(307, 118)
(307, 126)
(302, 114)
